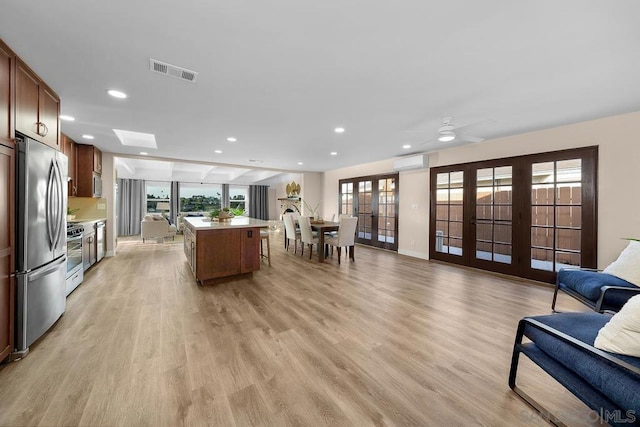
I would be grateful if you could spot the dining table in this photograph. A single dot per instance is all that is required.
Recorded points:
(321, 228)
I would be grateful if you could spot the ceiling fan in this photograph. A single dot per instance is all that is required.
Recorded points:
(449, 132)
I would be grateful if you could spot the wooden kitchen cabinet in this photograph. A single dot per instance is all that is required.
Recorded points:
(37, 107)
(216, 250)
(69, 148)
(7, 58)
(7, 248)
(89, 246)
(88, 170)
(97, 160)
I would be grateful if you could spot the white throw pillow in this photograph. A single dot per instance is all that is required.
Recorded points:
(627, 266)
(622, 333)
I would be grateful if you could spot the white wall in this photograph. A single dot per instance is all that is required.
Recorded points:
(108, 193)
(413, 227)
(311, 191)
(618, 139)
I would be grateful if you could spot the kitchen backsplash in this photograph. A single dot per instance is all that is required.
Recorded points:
(89, 208)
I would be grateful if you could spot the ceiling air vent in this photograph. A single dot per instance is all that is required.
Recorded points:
(172, 71)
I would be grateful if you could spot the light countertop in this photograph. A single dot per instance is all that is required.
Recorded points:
(199, 223)
(86, 220)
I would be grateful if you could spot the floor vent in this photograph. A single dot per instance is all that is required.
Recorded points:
(172, 71)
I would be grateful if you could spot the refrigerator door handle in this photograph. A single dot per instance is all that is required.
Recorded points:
(47, 269)
(49, 207)
(57, 190)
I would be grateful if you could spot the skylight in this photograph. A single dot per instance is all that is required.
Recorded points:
(136, 139)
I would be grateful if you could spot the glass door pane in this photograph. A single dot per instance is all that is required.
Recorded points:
(387, 211)
(493, 214)
(449, 213)
(556, 214)
(346, 198)
(365, 210)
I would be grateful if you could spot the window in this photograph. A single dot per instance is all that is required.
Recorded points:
(238, 197)
(158, 197)
(200, 197)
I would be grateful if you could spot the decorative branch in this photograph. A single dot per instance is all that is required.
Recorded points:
(314, 210)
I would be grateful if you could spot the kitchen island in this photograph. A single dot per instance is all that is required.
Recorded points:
(219, 249)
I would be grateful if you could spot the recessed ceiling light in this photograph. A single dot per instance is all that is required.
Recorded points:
(144, 153)
(117, 93)
(339, 130)
(87, 136)
(300, 163)
(231, 139)
(217, 151)
(406, 146)
(67, 118)
(334, 153)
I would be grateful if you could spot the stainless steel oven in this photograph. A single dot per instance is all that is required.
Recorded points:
(75, 273)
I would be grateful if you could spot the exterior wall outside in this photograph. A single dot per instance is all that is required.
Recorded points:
(617, 138)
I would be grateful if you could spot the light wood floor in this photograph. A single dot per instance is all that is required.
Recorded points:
(387, 340)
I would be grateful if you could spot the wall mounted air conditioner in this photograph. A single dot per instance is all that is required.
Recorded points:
(420, 161)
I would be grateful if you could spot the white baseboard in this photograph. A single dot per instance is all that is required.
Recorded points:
(413, 254)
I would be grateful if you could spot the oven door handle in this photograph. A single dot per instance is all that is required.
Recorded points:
(74, 238)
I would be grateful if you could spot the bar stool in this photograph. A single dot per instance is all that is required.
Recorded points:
(264, 235)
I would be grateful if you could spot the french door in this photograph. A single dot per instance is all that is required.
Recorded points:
(527, 216)
(374, 200)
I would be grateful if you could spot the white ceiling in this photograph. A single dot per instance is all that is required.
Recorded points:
(280, 75)
(161, 170)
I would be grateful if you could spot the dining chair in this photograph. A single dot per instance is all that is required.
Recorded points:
(307, 235)
(334, 233)
(346, 236)
(264, 235)
(291, 232)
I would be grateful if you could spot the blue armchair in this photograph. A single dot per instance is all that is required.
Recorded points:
(595, 289)
(562, 345)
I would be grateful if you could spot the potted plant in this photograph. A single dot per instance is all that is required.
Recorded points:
(225, 213)
(70, 214)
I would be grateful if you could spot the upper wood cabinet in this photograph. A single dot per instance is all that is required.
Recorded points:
(37, 107)
(88, 169)
(69, 148)
(7, 58)
(89, 158)
(97, 160)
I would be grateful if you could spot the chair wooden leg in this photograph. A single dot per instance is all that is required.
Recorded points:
(310, 250)
(269, 251)
(352, 250)
(339, 250)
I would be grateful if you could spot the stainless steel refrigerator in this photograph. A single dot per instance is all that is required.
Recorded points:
(41, 245)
